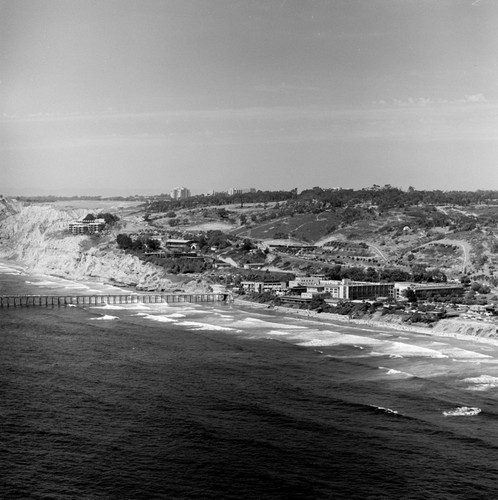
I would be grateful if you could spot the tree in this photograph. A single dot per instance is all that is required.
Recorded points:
(124, 241)
(89, 217)
(109, 219)
(410, 295)
(153, 244)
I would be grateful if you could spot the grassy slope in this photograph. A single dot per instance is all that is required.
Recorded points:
(396, 238)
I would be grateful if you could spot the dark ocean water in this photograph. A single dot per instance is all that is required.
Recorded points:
(215, 402)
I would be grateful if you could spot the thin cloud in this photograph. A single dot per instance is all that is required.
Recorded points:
(428, 101)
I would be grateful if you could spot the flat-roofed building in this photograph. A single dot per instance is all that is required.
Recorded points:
(423, 290)
(263, 286)
(87, 226)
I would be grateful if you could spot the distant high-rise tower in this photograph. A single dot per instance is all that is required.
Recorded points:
(180, 193)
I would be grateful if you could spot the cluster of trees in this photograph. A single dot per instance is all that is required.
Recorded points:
(418, 274)
(110, 219)
(125, 242)
(180, 265)
(385, 197)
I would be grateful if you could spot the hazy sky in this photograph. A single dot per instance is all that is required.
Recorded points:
(139, 96)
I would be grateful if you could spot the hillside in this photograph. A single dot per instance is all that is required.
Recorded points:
(457, 240)
(37, 237)
(367, 237)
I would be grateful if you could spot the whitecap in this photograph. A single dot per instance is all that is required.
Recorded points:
(160, 318)
(278, 332)
(45, 283)
(462, 411)
(330, 338)
(408, 350)
(105, 317)
(393, 372)
(206, 326)
(464, 354)
(385, 410)
(108, 306)
(258, 323)
(481, 383)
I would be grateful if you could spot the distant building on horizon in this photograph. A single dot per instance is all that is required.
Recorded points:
(233, 191)
(180, 193)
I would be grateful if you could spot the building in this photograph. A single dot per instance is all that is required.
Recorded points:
(233, 191)
(304, 281)
(425, 290)
(87, 226)
(263, 286)
(180, 193)
(341, 289)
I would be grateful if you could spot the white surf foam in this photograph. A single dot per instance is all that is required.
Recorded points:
(109, 306)
(330, 338)
(385, 410)
(105, 318)
(481, 383)
(464, 354)
(53, 284)
(397, 373)
(401, 349)
(206, 326)
(462, 411)
(160, 318)
(278, 332)
(258, 323)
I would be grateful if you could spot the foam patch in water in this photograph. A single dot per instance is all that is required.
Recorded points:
(462, 411)
(395, 373)
(385, 410)
(329, 338)
(258, 323)
(400, 349)
(105, 318)
(481, 383)
(160, 318)
(206, 326)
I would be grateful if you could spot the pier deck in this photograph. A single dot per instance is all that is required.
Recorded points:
(97, 299)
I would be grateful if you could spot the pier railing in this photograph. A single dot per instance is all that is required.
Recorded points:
(97, 299)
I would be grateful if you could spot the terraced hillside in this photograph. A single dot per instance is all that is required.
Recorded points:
(455, 240)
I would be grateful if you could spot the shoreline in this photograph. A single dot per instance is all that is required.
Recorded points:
(19, 268)
(303, 314)
(331, 318)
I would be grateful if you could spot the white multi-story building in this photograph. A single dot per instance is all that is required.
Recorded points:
(233, 191)
(180, 193)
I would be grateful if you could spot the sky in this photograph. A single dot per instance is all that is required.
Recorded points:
(123, 97)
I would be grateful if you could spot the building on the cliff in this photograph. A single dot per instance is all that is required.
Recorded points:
(87, 226)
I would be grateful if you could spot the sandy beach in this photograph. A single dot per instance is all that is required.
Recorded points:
(345, 320)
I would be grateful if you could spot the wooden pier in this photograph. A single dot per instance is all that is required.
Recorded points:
(67, 300)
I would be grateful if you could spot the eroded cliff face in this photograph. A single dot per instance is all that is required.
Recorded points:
(37, 236)
(466, 327)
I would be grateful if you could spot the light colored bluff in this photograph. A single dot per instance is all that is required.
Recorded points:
(37, 237)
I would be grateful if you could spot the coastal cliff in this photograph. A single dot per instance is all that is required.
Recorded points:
(467, 328)
(36, 236)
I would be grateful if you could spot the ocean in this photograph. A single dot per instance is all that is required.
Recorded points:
(224, 401)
